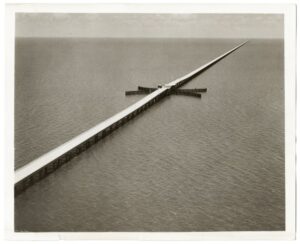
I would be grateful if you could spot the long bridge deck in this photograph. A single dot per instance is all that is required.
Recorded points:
(47, 163)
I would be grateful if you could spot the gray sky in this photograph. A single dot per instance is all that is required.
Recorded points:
(150, 25)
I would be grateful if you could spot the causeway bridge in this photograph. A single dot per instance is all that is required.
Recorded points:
(52, 160)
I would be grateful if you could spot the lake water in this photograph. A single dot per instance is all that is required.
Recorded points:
(186, 164)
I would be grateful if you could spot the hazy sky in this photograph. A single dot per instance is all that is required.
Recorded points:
(150, 25)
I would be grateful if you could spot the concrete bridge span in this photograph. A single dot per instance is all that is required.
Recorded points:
(52, 160)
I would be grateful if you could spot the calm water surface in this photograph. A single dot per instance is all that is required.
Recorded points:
(185, 164)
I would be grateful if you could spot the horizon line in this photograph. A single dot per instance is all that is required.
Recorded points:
(91, 37)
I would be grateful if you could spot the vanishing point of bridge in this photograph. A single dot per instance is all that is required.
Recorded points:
(49, 162)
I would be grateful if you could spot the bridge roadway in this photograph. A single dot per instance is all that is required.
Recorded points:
(50, 161)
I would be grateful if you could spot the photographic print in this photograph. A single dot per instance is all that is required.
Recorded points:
(149, 122)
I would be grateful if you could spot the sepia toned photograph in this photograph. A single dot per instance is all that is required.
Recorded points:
(149, 122)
